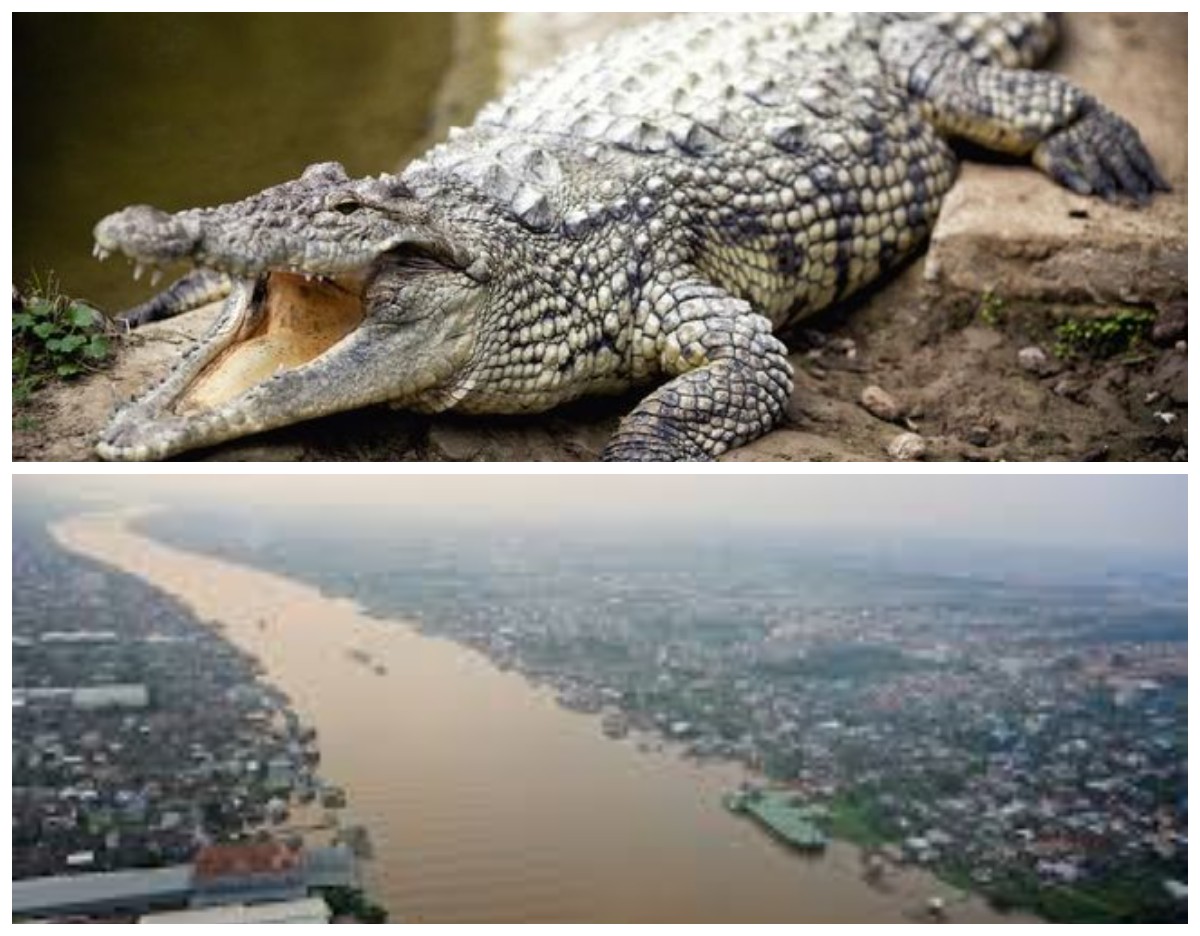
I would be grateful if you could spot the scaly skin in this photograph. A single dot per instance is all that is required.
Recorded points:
(650, 211)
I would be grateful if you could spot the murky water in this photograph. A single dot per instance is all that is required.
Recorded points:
(182, 110)
(485, 800)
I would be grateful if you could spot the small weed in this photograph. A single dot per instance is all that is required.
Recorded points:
(991, 310)
(1104, 337)
(54, 338)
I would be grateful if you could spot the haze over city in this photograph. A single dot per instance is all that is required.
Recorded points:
(1133, 512)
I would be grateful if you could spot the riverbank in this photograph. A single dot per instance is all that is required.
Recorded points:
(1016, 265)
(484, 799)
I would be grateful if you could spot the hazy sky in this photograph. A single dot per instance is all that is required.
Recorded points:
(1140, 512)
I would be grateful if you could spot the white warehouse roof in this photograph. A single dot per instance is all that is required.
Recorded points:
(311, 910)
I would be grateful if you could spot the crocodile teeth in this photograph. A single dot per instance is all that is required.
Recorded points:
(138, 270)
(156, 277)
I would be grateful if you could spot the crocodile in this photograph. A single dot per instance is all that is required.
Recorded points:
(647, 215)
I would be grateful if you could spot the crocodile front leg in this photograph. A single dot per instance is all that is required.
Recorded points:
(1068, 134)
(194, 291)
(732, 380)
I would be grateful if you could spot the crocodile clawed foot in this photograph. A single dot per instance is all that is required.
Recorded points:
(642, 439)
(131, 321)
(1103, 155)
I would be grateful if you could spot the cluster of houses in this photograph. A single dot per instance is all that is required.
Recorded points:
(141, 737)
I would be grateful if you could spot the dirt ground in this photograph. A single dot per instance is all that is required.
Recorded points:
(960, 355)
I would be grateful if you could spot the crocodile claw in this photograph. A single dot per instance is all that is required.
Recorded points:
(643, 438)
(1103, 155)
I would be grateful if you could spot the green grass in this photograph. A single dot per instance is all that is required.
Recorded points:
(353, 903)
(852, 819)
(54, 338)
(1056, 904)
(992, 310)
(1121, 333)
(1122, 897)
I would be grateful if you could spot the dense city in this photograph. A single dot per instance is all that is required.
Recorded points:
(1021, 732)
(153, 768)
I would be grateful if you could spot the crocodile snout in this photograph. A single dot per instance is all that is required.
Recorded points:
(148, 235)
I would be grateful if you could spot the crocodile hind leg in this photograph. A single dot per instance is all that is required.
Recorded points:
(1068, 134)
(732, 380)
(194, 291)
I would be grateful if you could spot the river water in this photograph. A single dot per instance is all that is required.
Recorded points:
(186, 110)
(485, 801)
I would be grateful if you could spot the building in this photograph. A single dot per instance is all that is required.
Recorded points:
(79, 638)
(247, 878)
(265, 872)
(97, 698)
(116, 894)
(331, 867)
(86, 698)
(311, 910)
(281, 775)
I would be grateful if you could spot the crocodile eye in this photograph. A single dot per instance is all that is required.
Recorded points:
(347, 207)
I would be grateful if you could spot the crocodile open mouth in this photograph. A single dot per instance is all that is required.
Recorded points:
(289, 321)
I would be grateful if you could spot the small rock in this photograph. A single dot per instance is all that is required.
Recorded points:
(1115, 376)
(1036, 361)
(1071, 388)
(1171, 326)
(846, 346)
(909, 447)
(881, 404)
(979, 436)
(1171, 378)
(1152, 397)
(455, 444)
(1167, 419)
(1032, 358)
(1181, 346)
(933, 269)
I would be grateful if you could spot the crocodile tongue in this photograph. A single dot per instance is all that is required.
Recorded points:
(297, 321)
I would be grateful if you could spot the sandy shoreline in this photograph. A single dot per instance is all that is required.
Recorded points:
(452, 764)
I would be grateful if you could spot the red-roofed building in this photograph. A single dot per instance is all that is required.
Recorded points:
(254, 872)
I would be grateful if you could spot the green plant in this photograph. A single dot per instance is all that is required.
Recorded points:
(1104, 337)
(54, 337)
(991, 310)
(353, 903)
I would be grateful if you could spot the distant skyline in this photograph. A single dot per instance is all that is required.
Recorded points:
(1147, 513)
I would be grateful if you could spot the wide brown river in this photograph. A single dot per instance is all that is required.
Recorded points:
(485, 801)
